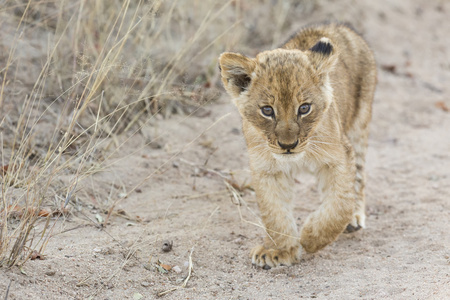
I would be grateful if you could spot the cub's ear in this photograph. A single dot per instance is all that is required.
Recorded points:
(236, 70)
(323, 56)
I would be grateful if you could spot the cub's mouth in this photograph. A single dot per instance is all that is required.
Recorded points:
(288, 152)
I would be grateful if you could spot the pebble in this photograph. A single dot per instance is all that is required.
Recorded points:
(167, 246)
(176, 269)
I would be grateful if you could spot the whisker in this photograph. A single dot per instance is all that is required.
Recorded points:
(317, 148)
(320, 142)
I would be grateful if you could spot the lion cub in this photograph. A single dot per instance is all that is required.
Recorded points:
(306, 105)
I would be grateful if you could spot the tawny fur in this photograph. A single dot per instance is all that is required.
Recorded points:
(331, 69)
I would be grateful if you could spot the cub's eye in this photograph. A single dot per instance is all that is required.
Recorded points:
(267, 111)
(304, 109)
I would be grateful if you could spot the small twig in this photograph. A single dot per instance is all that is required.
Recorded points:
(195, 196)
(222, 174)
(83, 282)
(69, 195)
(70, 229)
(7, 290)
(183, 285)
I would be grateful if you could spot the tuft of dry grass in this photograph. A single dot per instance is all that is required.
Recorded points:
(79, 78)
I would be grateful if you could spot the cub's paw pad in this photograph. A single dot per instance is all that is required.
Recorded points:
(269, 258)
(350, 228)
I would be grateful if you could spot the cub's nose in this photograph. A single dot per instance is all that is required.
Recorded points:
(288, 146)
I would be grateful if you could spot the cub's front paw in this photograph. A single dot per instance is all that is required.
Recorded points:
(269, 258)
(358, 222)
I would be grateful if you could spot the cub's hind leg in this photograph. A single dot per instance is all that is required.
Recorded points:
(359, 143)
(358, 136)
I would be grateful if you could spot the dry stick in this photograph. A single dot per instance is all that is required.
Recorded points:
(185, 280)
(7, 290)
(204, 169)
(82, 282)
(70, 229)
(195, 196)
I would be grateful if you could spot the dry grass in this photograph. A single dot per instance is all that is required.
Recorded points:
(79, 78)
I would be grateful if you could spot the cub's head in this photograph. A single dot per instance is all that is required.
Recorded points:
(282, 94)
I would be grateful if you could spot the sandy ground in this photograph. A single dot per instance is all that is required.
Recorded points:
(403, 254)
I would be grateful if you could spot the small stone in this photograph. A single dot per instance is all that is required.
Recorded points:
(145, 283)
(50, 273)
(107, 251)
(176, 269)
(167, 246)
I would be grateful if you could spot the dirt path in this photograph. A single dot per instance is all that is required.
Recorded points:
(403, 254)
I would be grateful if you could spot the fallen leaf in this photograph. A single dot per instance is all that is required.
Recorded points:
(121, 212)
(161, 269)
(137, 296)
(44, 213)
(36, 255)
(18, 211)
(23, 271)
(166, 267)
(99, 218)
(60, 212)
(442, 105)
(3, 170)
